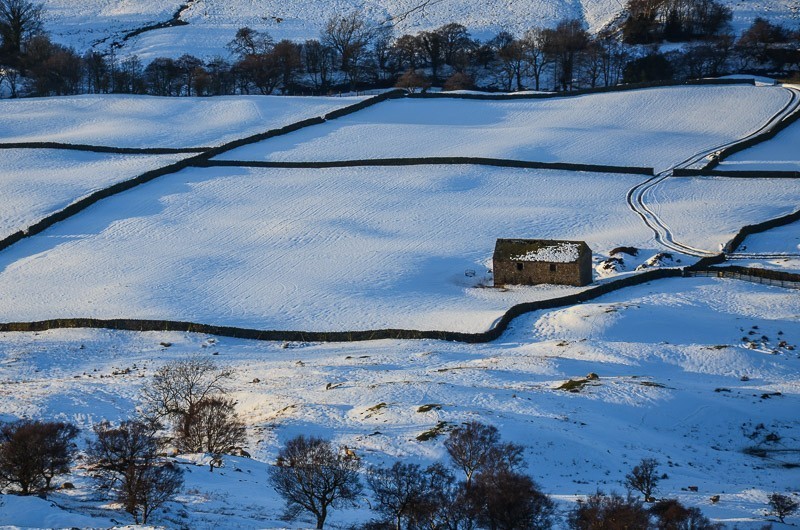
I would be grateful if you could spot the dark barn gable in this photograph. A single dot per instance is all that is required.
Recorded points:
(535, 261)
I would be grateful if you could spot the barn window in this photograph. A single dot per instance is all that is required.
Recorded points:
(519, 266)
(552, 267)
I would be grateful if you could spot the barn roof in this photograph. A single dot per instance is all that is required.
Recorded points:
(540, 250)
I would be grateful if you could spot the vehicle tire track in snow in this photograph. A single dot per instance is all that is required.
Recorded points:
(637, 196)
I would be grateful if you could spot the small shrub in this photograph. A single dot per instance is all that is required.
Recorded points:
(126, 462)
(609, 512)
(435, 432)
(670, 514)
(32, 453)
(458, 81)
(782, 506)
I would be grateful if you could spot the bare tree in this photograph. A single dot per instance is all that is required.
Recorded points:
(506, 500)
(564, 44)
(318, 60)
(349, 35)
(189, 67)
(430, 43)
(11, 77)
(535, 48)
(643, 478)
(474, 446)
(19, 20)
(179, 386)
(311, 475)
(288, 62)
(248, 41)
(782, 506)
(213, 427)
(126, 462)
(32, 453)
(510, 64)
(400, 492)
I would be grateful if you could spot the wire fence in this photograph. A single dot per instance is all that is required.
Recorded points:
(748, 277)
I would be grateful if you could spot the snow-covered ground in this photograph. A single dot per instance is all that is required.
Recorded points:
(38, 182)
(689, 368)
(782, 240)
(334, 249)
(676, 383)
(706, 212)
(655, 127)
(781, 153)
(148, 121)
(213, 23)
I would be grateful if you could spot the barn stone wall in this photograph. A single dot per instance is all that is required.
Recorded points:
(512, 272)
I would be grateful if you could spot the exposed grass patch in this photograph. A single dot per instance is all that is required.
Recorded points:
(429, 407)
(433, 433)
(573, 385)
(376, 408)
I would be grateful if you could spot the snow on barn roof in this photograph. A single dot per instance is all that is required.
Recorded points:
(542, 250)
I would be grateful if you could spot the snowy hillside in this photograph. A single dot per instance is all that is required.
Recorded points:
(676, 383)
(144, 121)
(335, 249)
(36, 183)
(701, 374)
(212, 23)
(662, 127)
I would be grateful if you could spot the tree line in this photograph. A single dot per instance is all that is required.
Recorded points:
(353, 52)
(186, 409)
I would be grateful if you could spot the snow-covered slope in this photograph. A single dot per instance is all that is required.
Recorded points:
(334, 249)
(706, 212)
(147, 121)
(212, 23)
(782, 153)
(655, 127)
(38, 182)
(676, 383)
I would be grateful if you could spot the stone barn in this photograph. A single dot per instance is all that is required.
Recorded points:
(535, 261)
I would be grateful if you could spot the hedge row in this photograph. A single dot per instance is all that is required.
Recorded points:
(678, 172)
(344, 336)
(451, 160)
(582, 92)
(104, 148)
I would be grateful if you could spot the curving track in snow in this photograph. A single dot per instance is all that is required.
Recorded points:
(637, 196)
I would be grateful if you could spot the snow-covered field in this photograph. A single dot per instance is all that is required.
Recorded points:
(334, 249)
(784, 240)
(781, 153)
(213, 23)
(148, 121)
(689, 368)
(38, 182)
(676, 384)
(706, 212)
(655, 127)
